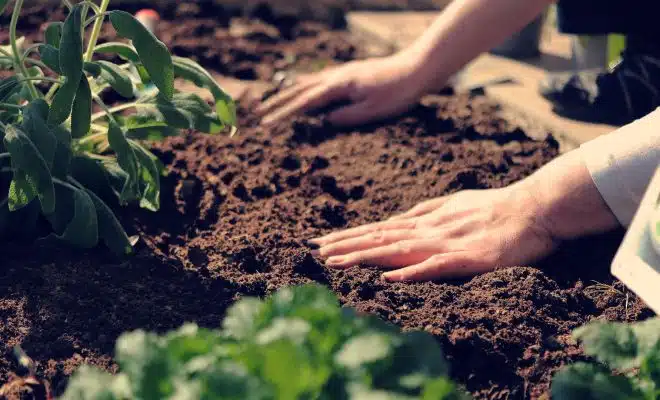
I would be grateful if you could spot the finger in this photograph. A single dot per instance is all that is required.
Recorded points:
(368, 241)
(443, 266)
(422, 208)
(394, 255)
(363, 230)
(285, 96)
(355, 114)
(313, 98)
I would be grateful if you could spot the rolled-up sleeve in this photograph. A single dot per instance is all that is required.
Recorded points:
(623, 162)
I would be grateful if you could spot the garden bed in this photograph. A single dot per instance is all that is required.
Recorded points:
(236, 211)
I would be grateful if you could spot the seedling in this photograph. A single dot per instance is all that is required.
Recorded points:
(61, 160)
(628, 367)
(297, 344)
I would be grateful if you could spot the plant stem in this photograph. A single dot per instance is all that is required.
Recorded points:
(51, 91)
(41, 79)
(94, 19)
(118, 108)
(91, 137)
(10, 106)
(30, 49)
(96, 31)
(106, 111)
(75, 182)
(98, 156)
(12, 39)
(65, 184)
(93, 5)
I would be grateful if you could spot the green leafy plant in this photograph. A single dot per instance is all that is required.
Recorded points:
(628, 365)
(61, 160)
(297, 344)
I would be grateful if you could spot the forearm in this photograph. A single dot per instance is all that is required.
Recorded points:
(600, 185)
(465, 29)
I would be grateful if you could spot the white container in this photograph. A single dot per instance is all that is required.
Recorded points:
(637, 262)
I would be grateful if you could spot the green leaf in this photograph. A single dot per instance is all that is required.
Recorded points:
(71, 66)
(82, 230)
(127, 160)
(34, 125)
(294, 330)
(141, 128)
(142, 72)
(71, 45)
(149, 177)
(190, 70)
(89, 383)
(21, 191)
(419, 358)
(442, 389)
(63, 154)
(62, 103)
(26, 158)
(93, 68)
(185, 111)
(64, 209)
(53, 34)
(620, 346)
(240, 321)
(583, 381)
(8, 86)
(95, 175)
(110, 230)
(364, 349)
(153, 53)
(141, 356)
(51, 57)
(284, 360)
(81, 111)
(123, 50)
(117, 78)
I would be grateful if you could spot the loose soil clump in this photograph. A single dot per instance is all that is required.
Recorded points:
(235, 214)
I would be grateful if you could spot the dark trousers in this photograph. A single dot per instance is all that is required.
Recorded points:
(636, 19)
(633, 18)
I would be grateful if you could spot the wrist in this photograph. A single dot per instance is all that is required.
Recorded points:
(568, 202)
(426, 77)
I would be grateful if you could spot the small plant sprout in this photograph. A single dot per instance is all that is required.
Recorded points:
(61, 160)
(628, 366)
(297, 344)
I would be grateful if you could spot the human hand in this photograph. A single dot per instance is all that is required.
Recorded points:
(463, 234)
(376, 88)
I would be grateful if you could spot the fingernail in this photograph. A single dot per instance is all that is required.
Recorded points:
(334, 261)
(311, 244)
(315, 253)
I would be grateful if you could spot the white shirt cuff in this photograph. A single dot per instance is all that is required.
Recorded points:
(623, 162)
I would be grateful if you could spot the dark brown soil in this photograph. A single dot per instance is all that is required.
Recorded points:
(235, 213)
(222, 39)
(234, 216)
